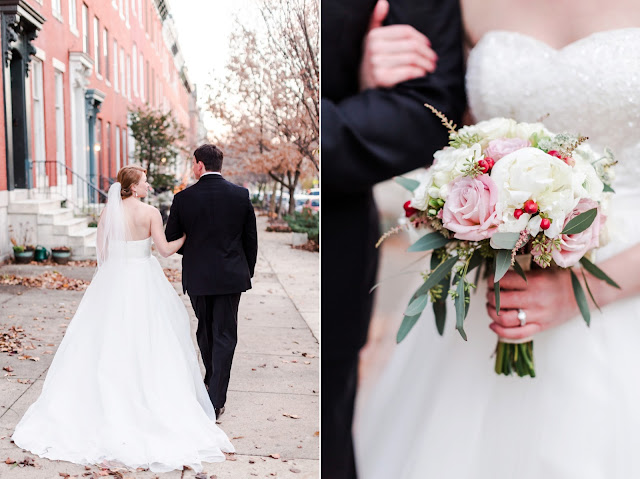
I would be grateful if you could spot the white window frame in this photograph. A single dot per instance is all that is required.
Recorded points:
(129, 77)
(126, 13)
(121, 3)
(115, 66)
(125, 159)
(39, 134)
(96, 46)
(118, 164)
(142, 94)
(59, 106)
(105, 54)
(73, 17)
(85, 28)
(56, 9)
(123, 84)
(134, 69)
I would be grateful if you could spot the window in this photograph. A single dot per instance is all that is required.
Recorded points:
(101, 182)
(115, 65)
(40, 153)
(124, 146)
(128, 77)
(131, 142)
(60, 146)
(122, 9)
(85, 29)
(96, 43)
(126, 11)
(149, 96)
(73, 16)
(123, 85)
(56, 8)
(134, 69)
(133, 7)
(139, 12)
(118, 165)
(105, 52)
(141, 77)
(111, 173)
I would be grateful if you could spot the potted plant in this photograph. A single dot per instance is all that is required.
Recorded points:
(61, 254)
(22, 250)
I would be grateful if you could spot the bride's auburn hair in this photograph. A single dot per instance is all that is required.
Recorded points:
(127, 177)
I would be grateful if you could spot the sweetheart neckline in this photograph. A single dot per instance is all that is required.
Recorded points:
(545, 44)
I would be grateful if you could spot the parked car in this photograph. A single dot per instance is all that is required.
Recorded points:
(300, 201)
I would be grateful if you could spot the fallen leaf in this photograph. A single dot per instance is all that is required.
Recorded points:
(263, 365)
(307, 355)
(292, 416)
(275, 456)
(9, 461)
(307, 362)
(201, 475)
(48, 352)
(8, 368)
(238, 437)
(316, 434)
(24, 381)
(35, 358)
(251, 461)
(294, 470)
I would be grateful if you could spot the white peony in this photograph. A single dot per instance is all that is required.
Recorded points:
(527, 174)
(491, 129)
(448, 164)
(586, 183)
(420, 200)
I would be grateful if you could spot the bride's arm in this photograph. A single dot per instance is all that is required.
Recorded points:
(547, 298)
(165, 248)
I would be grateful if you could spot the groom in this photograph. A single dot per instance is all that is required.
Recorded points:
(219, 257)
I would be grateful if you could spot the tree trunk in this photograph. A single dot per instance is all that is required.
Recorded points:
(292, 188)
(279, 204)
(272, 200)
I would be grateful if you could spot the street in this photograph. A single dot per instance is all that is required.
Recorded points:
(272, 412)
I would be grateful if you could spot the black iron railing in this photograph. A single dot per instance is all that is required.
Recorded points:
(55, 180)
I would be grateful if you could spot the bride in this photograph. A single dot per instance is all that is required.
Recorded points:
(124, 386)
(439, 410)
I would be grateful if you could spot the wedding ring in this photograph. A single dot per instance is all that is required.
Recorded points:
(522, 316)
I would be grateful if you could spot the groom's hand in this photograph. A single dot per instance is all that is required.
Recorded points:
(393, 54)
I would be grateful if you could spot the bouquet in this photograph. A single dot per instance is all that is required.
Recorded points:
(506, 195)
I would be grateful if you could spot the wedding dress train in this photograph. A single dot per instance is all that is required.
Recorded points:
(125, 385)
(439, 410)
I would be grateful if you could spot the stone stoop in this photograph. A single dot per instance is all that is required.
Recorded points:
(53, 226)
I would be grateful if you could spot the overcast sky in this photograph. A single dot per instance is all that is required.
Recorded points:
(204, 27)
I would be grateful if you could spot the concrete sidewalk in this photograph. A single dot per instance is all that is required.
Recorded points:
(272, 412)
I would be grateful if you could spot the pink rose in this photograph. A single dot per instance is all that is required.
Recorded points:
(574, 247)
(503, 146)
(470, 209)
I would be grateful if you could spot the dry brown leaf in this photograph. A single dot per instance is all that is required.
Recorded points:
(8, 369)
(201, 475)
(292, 416)
(24, 381)
(238, 437)
(9, 461)
(316, 434)
(275, 456)
(294, 470)
(35, 358)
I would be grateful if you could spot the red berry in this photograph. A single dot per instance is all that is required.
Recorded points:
(484, 165)
(490, 161)
(518, 213)
(408, 210)
(545, 223)
(530, 207)
(554, 153)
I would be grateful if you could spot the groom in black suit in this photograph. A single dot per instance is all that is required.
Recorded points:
(369, 135)
(219, 257)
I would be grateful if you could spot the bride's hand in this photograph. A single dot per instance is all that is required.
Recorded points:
(393, 54)
(547, 300)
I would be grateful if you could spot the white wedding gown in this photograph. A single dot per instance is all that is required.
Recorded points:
(125, 385)
(439, 411)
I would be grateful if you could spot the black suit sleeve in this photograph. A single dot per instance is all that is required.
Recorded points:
(250, 238)
(379, 133)
(174, 230)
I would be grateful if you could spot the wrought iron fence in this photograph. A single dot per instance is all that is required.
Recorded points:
(55, 180)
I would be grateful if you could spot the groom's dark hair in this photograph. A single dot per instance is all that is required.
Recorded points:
(210, 155)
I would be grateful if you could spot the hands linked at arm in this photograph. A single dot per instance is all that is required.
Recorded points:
(165, 248)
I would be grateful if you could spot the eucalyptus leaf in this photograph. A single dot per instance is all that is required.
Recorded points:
(460, 309)
(518, 269)
(436, 276)
(586, 283)
(407, 183)
(581, 299)
(407, 323)
(597, 272)
(580, 222)
(440, 312)
(504, 240)
(428, 242)
(607, 189)
(501, 264)
(417, 305)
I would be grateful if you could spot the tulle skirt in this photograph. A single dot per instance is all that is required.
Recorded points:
(125, 385)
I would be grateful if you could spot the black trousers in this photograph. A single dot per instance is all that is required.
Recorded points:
(217, 336)
(339, 383)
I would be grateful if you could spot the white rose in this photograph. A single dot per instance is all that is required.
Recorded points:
(492, 129)
(529, 173)
(448, 164)
(525, 130)
(586, 183)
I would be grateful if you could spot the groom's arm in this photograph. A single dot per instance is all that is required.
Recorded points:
(174, 230)
(380, 133)
(250, 238)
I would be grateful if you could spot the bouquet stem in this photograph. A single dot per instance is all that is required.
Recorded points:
(515, 358)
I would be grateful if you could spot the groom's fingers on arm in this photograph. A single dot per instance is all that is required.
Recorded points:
(390, 77)
(405, 59)
(381, 45)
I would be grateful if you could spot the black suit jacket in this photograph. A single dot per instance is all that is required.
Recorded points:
(371, 136)
(219, 254)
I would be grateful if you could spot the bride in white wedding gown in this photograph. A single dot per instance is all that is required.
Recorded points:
(124, 386)
(439, 410)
